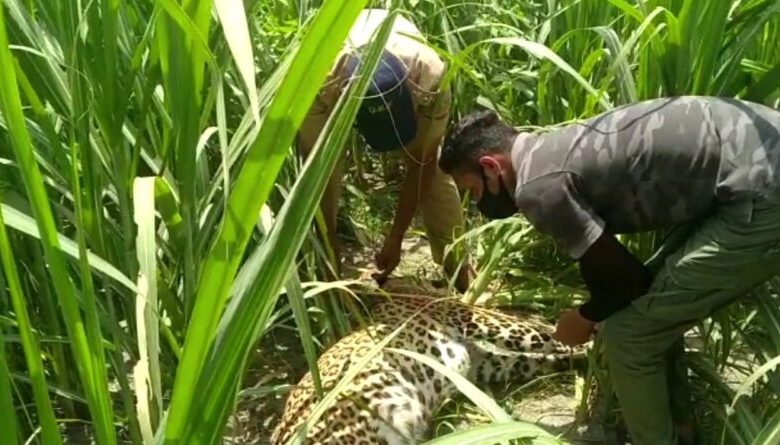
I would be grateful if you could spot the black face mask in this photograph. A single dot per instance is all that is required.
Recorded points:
(498, 206)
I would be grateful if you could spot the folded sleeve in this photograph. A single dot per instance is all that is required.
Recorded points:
(555, 207)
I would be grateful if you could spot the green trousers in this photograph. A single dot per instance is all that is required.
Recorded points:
(717, 261)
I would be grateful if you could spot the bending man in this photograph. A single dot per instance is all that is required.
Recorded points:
(705, 164)
(404, 110)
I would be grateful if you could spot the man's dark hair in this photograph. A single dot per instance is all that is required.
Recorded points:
(478, 133)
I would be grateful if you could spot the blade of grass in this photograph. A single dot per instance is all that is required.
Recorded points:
(147, 370)
(746, 426)
(245, 318)
(32, 350)
(234, 25)
(21, 222)
(497, 433)
(769, 318)
(626, 83)
(253, 185)
(759, 373)
(49, 317)
(327, 401)
(766, 85)
(182, 41)
(740, 42)
(89, 297)
(93, 381)
(770, 433)
(543, 52)
(710, 31)
(478, 397)
(298, 305)
(7, 410)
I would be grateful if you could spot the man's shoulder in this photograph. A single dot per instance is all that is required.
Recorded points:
(406, 42)
(543, 186)
(542, 153)
(369, 21)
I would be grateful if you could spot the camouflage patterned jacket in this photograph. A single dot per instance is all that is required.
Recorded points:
(645, 166)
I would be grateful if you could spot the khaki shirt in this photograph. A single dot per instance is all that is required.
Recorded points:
(425, 72)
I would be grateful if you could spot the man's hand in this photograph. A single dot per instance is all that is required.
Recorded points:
(387, 259)
(573, 329)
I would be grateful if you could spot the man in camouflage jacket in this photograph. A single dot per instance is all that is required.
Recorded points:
(705, 167)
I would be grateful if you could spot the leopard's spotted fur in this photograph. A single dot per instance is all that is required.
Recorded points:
(392, 400)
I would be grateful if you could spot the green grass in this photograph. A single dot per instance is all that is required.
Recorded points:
(139, 142)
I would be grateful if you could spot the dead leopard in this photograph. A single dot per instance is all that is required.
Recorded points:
(393, 398)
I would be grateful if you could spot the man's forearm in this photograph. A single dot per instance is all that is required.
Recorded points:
(406, 207)
(614, 279)
(602, 305)
(414, 188)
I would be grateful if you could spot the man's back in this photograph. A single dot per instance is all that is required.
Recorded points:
(648, 165)
(405, 41)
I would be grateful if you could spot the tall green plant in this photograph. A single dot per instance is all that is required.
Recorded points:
(88, 352)
(285, 113)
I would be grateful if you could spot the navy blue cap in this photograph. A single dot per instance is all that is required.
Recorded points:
(386, 118)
